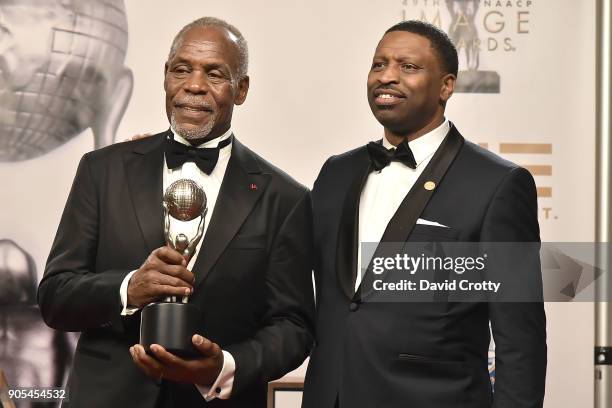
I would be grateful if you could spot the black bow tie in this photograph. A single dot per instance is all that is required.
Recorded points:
(205, 157)
(381, 156)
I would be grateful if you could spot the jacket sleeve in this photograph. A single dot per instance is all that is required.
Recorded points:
(72, 295)
(519, 328)
(287, 331)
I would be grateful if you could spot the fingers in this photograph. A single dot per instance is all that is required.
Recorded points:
(141, 136)
(170, 256)
(179, 272)
(172, 263)
(137, 137)
(146, 288)
(171, 367)
(164, 291)
(145, 362)
(164, 273)
(169, 262)
(164, 357)
(206, 347)
(169, 280)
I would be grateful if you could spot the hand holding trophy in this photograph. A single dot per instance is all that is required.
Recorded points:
(169, 323)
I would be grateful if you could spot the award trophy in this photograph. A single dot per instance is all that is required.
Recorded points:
(169, 323)
(463, 33)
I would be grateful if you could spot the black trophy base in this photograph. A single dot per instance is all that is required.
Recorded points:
(171, 325)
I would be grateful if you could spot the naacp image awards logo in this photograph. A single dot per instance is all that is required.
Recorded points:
(481, 30)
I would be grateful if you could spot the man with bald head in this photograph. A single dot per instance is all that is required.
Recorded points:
(250, 275)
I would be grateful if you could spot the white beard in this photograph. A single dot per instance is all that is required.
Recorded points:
(193, 133)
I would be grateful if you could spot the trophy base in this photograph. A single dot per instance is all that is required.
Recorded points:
(171, 325)
(473, 81)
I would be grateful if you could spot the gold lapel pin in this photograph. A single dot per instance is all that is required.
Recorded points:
(429, 185)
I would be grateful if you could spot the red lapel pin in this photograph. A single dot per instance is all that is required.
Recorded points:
(253, 186)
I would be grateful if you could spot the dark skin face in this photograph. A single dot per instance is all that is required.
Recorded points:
(407, 86)
(202, 85)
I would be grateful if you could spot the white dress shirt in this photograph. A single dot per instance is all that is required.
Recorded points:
(385, 190)
(211, 184)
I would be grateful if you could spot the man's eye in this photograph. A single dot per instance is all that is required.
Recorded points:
(409, 67)
(377, 65)
(217, 76)
(180, 70)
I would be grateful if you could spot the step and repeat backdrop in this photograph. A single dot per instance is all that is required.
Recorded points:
(81, 74)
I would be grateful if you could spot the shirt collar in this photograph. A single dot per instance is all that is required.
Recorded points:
(426, 145)
(210, 143)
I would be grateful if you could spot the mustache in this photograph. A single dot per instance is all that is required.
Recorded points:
(387, 89)
(193, 103)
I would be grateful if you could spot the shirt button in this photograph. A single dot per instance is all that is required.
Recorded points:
(218, 390)
(353, 307)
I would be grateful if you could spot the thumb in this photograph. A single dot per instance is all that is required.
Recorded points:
(206, 347)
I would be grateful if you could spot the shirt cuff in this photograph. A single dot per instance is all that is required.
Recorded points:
(222, 387)
(123, 295)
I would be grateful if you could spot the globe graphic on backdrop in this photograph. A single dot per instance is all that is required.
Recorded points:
(61, 71)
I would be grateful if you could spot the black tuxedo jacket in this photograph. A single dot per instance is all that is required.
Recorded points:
(424, 355)
(253, 275)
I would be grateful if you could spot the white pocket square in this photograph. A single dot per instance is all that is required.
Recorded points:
(432, 223)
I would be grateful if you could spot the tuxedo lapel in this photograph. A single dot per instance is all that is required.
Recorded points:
(143, 167)
(242, 186)
(403, 221)
(348, 231)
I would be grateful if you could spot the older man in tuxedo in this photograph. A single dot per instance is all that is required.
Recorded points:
(422, 183)
(250, 275)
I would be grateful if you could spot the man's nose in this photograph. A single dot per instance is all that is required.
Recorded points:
(197, 83)
(390, 74)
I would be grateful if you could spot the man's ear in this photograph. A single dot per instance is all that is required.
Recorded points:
(243, 89)
(448, 87)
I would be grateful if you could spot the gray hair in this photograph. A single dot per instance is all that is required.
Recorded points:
(243, 51)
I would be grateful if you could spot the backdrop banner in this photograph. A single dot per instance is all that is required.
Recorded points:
(82, 74)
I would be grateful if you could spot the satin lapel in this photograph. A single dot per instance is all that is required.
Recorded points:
(403, 221)
(235, 201)
(143, 167)
(348, 231)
